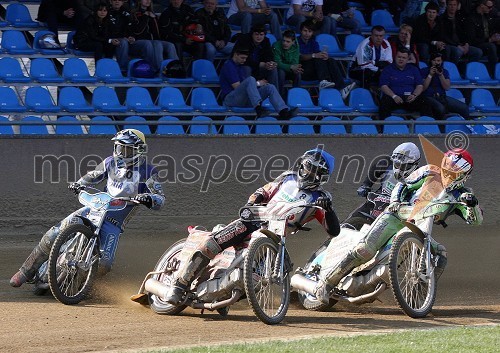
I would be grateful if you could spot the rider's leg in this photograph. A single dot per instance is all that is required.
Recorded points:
(40, 253)
(385, 226)
(442, 259)
(230, 235)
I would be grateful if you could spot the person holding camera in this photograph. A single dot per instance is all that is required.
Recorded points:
(436, 83)
(401, 85)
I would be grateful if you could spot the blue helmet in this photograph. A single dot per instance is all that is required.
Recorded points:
(315, 168)
(142, 68)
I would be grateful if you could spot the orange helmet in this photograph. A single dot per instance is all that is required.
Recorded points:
(456, 167)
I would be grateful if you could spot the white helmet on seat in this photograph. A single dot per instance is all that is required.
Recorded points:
(405, 159)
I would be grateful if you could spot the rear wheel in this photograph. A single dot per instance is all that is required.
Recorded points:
(73, 264)
(413, 289)
(268, 296)
(168, 259)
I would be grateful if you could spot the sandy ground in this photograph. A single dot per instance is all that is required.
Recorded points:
(468, 295)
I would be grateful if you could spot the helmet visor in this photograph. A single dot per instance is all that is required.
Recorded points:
(125, 151)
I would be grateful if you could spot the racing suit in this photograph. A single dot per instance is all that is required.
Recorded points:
(121, 181)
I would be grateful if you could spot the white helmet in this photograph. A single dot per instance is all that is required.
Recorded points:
(405, 159)
(130, 145)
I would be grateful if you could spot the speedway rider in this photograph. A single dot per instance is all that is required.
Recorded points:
(402, 162)
(127, 174)
(314, 168)
(456, 168)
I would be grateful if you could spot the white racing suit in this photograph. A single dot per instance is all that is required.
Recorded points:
(120, 182)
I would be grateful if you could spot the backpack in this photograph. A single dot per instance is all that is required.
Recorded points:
(174, 69)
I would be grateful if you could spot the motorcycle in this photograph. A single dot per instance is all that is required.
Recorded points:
(405, 263)
(78, 251)
(377, 204)
(259, 269)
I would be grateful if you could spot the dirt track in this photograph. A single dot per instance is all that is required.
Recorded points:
(468, 295)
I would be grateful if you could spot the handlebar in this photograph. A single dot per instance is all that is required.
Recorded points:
(84, 188)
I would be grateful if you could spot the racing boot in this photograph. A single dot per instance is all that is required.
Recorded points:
(29, 267)
(441, 262)
(333, 277)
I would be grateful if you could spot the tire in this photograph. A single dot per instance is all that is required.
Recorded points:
(268, 298)
(157, 304)
(414, 295)
(69, 281)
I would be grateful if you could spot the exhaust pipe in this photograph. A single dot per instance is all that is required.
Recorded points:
(370, 297)
(156, 287)
(299, 282)
(222, 304)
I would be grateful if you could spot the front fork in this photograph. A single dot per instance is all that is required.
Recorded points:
(426, 267)
(278, 274)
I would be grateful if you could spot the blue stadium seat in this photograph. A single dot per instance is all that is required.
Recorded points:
(108, 71)
(172, 100)
(144, 128)
(14, 42)
(11, 72)
(455, 77)
(331, 43)
(203, 99)
(5, 129)
(487, 128)
(104, 99)
(426, 129)
(203, 71)
(457, 94)
(141, 79)
(3, 23)
(395, 129)
(176, 129)
(235, 129)
(202, 129)
(33, 129)
(422, 65)
(70, 47)
(18, 15)
(477, 73)
(43, 70)
(68, 129)
(332, 129)
(351, 43)
(361, 100)
(451, 128)
(46, 51)
(300, 97)
(268, 129)
(363, 129)
(174, 80)
(497, 71)
(365, 27)
(102, 129)
(38, 99)
(383, 18)
(300, 129)
(483, 101)
(270, 36)
(331, 101)
(71, 99)
(139, 100)
(75, 70)
(9, 101)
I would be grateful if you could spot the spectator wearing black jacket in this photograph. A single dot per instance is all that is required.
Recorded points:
(173, 23)
(342, 16)
(57, 12)
(216, 28)
(428, 32)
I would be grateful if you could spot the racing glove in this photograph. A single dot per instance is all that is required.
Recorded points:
(469, 199)
(257, 200)
(76, 188)
(394, 207)
(363, 190)
(325, 203)
(144, 199)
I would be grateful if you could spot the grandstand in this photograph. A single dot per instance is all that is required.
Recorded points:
(48, 91)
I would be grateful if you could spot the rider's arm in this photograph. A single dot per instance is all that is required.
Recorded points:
(471, 215)
(327, 217)
(377, 170)
(414, 182)
(154, 190)
(96, 176)
(266, 192)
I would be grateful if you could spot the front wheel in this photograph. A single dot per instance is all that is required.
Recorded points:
(168, 259)
(268, 296)
(73, 263)
(413, 288)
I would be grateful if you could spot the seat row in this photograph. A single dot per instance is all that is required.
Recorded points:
(236, 125)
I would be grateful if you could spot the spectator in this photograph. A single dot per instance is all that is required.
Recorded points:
(93, 35)
(260, 62)
(301, 10)
(342, 16)
(145, 26)
(467, 7)
(401, 85)
(57, 12)
(173, 23)
(248, 13)
(287, 55)
(435, 85)
(428, 32)
(455, 36)
(85, 8)
(482, 35)
(316, 63)
(120, 28)
(238, 89)
(403, 40)
(217, 30)
(372, 55)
